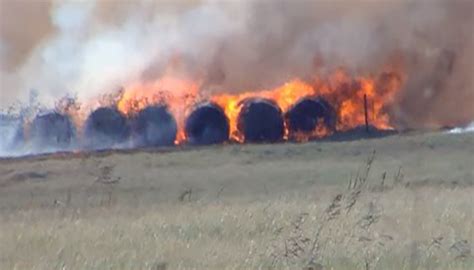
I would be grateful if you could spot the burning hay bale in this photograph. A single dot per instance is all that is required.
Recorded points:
(308, 114)
(106, 127)
(154, 126)
(261, 120)
(207, 124)
(52, 130)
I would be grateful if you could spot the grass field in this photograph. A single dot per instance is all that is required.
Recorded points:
(400, 202)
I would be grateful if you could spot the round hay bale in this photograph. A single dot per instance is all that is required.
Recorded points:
(207, 124)
(261, 120)
(306, 114)
(154, 126)
(52, 130)
(106, 127)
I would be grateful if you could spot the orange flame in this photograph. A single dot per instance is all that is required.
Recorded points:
(344, 92)
(284, 96)
(178, 95)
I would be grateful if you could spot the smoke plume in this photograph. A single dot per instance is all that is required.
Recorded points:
(89, 48)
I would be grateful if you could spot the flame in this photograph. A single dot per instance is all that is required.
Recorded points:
(344, 92)
(320, 131)
(284, 96)
(178, 94)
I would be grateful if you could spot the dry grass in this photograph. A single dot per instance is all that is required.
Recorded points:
(377, 217)
(397, 229)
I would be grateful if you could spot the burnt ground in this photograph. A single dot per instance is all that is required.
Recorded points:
(243, 172)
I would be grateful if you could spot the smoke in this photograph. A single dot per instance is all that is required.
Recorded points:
(89, 48)
(468, 128)
(11, 133)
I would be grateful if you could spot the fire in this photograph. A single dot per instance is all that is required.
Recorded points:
(320, 131)
(344, 92)
(347, 95)
(284, 96)
(179, 95)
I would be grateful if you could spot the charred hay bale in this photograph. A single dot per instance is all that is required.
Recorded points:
(305, 115)
(207, 124)
(106, 127)
(154, 126)
(261, 120)
(52, 130)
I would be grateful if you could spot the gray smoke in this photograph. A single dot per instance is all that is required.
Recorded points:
(89, 48)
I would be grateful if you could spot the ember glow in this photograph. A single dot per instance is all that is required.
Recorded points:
(344, 92)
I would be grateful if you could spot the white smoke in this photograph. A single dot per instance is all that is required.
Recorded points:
(9, 133)
(458, 130)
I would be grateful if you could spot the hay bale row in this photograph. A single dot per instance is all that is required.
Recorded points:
(260, 120)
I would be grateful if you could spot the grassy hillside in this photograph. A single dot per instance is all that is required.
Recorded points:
(401, 202)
